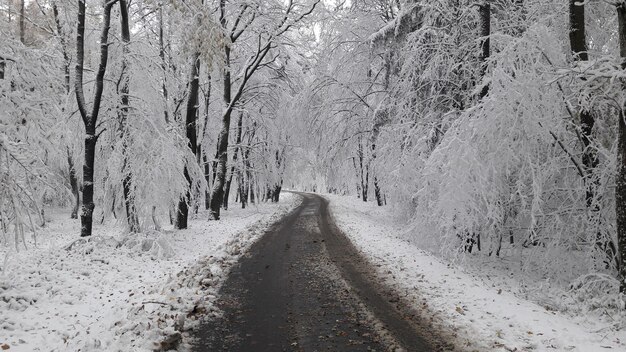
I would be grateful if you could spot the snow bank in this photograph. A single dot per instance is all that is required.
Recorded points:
(113, 292)
(487, 306)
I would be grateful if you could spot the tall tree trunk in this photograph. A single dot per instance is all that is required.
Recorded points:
(380, 118)
(276, 192)
(163, 66)
(377, 193)
(201, 153)
(366, 182)
(191, 131)
(235, 153)
(578, 44)
(251, 185)
(22, 15)
(73, 184)
(358, 173)
(363, 173)
(620, 181)
(217, 195)
(90, 119)
(241, 184)
(280, 160)
(66, 70)
(485, 32)
(132, 217)
(207, 178)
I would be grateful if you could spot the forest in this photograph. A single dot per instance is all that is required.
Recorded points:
(493, 131)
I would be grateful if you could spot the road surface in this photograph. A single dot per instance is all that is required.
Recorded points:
(304, 287)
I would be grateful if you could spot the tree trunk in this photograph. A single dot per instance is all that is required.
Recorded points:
(377, 193)
(578, 44)
(620, 180)
(86, 216)
(235, 153)
(66, 70)
(276, 192)
(73, 185)
(22, 15)
(163, 67)
(207, 178)
(485, 31)
(362, 172)
(90, 119)
(201, 153)
(217, 195)
(243, 194)
(192, 143)
(132, 217)
(358, 184)
(251, 186)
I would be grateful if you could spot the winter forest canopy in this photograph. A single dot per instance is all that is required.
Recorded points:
(493, 128)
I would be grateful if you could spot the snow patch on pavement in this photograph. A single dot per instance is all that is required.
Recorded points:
(112, 292)
(487, 312)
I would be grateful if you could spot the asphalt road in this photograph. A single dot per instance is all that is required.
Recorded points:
(304, 287)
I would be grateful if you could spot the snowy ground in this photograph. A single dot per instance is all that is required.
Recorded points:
(120, 292)
(488, 308)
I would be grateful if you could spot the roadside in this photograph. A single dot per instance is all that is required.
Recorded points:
(121, 292)
(486, 314)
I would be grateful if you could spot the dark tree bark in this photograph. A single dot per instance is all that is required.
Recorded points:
(217, 195)
(207, 178)
(485, 44)
(235, 153)
(358, 173)
(90, 118)
(245, 155)
(242, 189)
(201, 153)
(132, 217)
(251, 185)
(377, 193)
(578, 44)
(363, 172)
(66, 70)
(620, 180)
(380, 118)
(22, 16)
(73, 185)
(182, 213)
(163, 66)
(577, 38)
(275, 189)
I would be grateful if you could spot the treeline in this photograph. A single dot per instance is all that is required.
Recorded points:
(493, 126)
(143, 110)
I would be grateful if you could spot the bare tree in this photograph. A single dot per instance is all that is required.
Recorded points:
(191, 117)
(578, 45)
(257, 60)
(90, 118)
(620, 182)
(127, 182)
(66, 70)
(484, 12)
